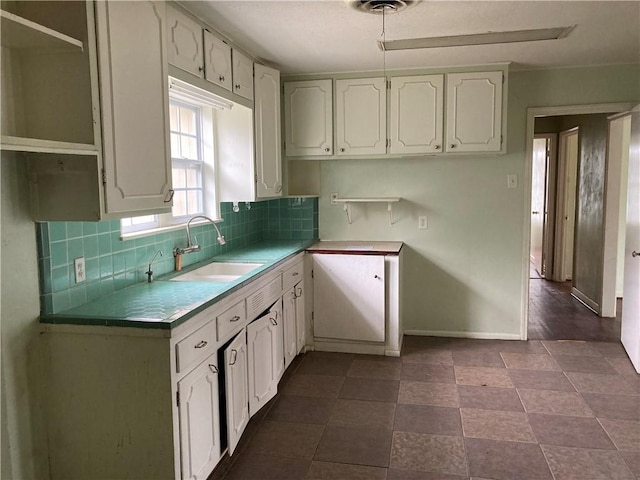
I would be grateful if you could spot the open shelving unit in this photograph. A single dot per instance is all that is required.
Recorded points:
(18, 32)
(390, 201)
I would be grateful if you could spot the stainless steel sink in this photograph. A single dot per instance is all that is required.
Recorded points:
(218, 272)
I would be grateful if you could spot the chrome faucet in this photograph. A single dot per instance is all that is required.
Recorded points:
(149, 272)
(194, 247)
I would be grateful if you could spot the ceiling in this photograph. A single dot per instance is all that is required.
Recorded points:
(322, 36)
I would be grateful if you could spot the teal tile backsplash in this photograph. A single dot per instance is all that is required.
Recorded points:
(113, 264)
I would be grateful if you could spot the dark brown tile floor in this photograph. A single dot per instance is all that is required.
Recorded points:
(555, 315)
(454, 409)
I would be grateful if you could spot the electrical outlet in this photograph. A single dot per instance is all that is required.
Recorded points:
(334, 197)
(512, 181)
(422, 223)
(81, 274)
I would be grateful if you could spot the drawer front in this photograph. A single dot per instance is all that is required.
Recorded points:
(196, 346)
(263, 298)
(292, 276)
(232, 320)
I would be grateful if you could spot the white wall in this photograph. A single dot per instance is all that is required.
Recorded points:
(23, 432)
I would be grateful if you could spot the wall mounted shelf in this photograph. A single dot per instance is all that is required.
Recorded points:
(348, 201)
(18, 32)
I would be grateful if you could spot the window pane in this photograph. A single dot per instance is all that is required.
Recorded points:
(193, 200)
(179, 180)
(175, 145)
(187, 121)
(194, 177)
(189, 147)
(173, 115)
(179, 204)
(143, 219)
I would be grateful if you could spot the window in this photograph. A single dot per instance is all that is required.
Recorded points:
(191, 116)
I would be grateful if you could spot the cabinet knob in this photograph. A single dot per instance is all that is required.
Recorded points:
(436, 147)
(201, 344)
(234, 357)
(213, 368)
(221, 78)
(327, 149)
(169, 196)
(237, 86)
(342, 149)
(201, 69)
(376, 277)
(453, 145)
(273, 321)
(278, 188)
(235, 318)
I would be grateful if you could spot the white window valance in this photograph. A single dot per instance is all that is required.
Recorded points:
(190, 93)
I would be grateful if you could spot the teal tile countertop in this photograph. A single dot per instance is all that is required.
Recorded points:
(164, 304)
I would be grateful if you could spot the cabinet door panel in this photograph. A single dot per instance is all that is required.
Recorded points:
(135, 104)
(267, 132)
(349, 297)
(416, 114)
(184, 42)
(308, 118)
(217, 61)
(242, 75)
(289, 326)
(474, 112)
(361, 116)
(199, 420)
(301, 323)
(235, 364)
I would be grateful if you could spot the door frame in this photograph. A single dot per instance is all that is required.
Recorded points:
(532, 113)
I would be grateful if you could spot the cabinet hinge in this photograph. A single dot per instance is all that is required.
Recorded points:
(388, 84)
(256, 178)
(311, 273)
(177, 399)
(104, 177)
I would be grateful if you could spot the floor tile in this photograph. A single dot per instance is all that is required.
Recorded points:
(375, 369)
(622, 365)
(370, 389)
(519, 346)
(428, 453)
(530, 361)
(478, 359)
(483, 376)
(633, 381)
(396, 474)
(554, 403)
(363, 413)
(581, 363)
(283, 439)
(633, 462)
(342, 471)
(496, 425)
(609, 349)
(420, 342)
(542, 380)
(599, 383)
(355, 445)
(580, 463)
(437, 357)
(296, 409)
(428, 419)
(428, 393)
(325, 363)
(489, 398)
(624, 433)
(569, 431)
(500, 460)
(428, 373)
(621, 407)
(571, 347)
(323, 386)
(265, 467)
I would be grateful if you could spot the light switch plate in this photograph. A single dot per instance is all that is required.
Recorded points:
(512, 181)
(422, 223)
(81, 274)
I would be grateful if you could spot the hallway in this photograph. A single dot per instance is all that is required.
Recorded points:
(555, 315)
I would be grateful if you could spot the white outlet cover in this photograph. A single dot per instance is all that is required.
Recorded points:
(512, 181)
(81, 274)
(422, 223)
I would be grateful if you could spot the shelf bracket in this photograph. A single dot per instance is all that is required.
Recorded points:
(390, 210)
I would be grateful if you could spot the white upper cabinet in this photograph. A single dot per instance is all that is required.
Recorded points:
(416, 114)
(308, 118)
(242, 75)
(217, 61)
(361, 114)
(267, 132)
(474, 112)
(184, 37)
(134, 98)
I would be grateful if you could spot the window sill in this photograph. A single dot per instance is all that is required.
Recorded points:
(169, 228)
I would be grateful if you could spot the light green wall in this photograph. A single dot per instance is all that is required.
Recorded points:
(23, 429)
(463, 275)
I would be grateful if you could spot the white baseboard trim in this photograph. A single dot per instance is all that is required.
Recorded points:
(582, 298)
(478, 335)
(347, 347)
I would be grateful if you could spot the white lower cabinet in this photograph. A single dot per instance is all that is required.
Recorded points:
(294, 322)
(265, 356)
(301, 329)
(236, 383)
(199, 413)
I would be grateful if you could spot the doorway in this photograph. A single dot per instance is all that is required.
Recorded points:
(557, 261)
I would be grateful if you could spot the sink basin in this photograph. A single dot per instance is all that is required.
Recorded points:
(217, 272)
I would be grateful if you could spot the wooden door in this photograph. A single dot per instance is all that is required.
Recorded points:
(308, 118)
(134, 97)
(416, 114)
(361, 116)
(242, 75)
(349, 297)
(217, 61)
(184, 39)
(236, 381)
(267, 133)
(474, 112)
(199, 420)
